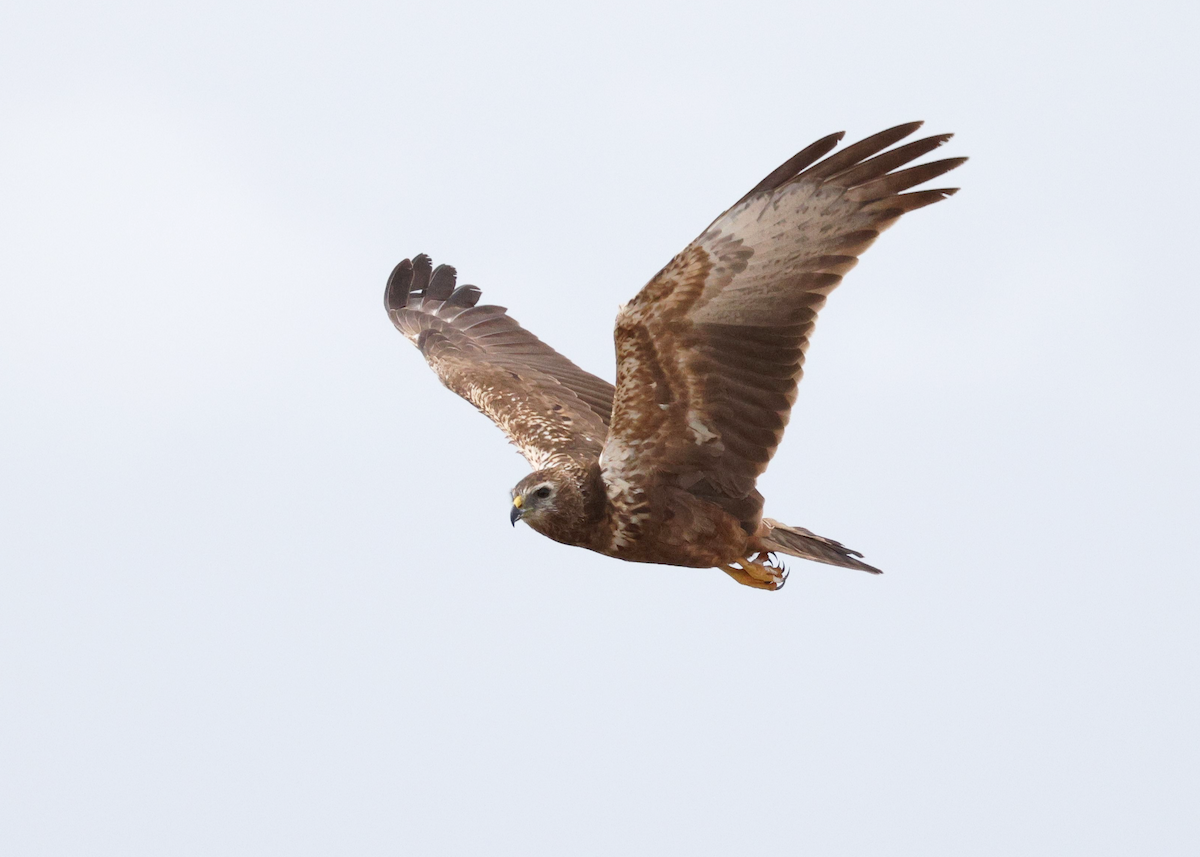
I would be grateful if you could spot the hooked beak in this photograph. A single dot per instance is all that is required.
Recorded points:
(515, 514)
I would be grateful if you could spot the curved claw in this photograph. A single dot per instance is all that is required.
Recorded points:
(756, 574)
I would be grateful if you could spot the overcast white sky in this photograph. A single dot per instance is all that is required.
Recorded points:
(259, 593)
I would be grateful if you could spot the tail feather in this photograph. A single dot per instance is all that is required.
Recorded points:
(797, 541)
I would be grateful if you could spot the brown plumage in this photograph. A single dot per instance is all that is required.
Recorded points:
(662, 468)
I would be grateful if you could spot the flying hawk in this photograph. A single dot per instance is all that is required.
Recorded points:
(662, 468)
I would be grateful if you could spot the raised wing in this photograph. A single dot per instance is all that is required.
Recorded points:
(709, 353)
(550, 408)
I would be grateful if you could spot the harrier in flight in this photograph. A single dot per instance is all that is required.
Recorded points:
(662, 467)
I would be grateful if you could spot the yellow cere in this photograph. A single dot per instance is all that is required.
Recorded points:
(518, 501)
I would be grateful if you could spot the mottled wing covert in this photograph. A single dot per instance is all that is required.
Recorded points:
(709, 353)
(550, 408)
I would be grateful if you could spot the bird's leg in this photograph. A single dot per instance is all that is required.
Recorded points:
(742, 577)
(757, 572)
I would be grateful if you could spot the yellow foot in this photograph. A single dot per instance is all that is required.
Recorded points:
(756, 574)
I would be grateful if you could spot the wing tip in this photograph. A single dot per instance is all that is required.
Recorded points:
(441, 282)
(464, 296)
(416, 277)
(395, 294)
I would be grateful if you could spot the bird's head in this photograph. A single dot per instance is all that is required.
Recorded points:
(546, 500)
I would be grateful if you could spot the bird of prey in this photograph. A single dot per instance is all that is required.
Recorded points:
(662, 467)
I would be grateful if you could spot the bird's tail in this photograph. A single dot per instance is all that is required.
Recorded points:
(797, 541)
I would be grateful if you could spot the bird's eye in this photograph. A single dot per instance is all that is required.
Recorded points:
(542, 493)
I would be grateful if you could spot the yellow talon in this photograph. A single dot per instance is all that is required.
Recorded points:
(756, 575)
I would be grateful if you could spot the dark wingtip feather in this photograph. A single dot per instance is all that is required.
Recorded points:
(422, 271)
(794, 165)
(880, 165)
(902, 130)
(906, 202)
(395, 296)
(861, 150)
(441, 284)
(464, 296)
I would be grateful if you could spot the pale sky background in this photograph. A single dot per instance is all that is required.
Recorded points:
(259, 592)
